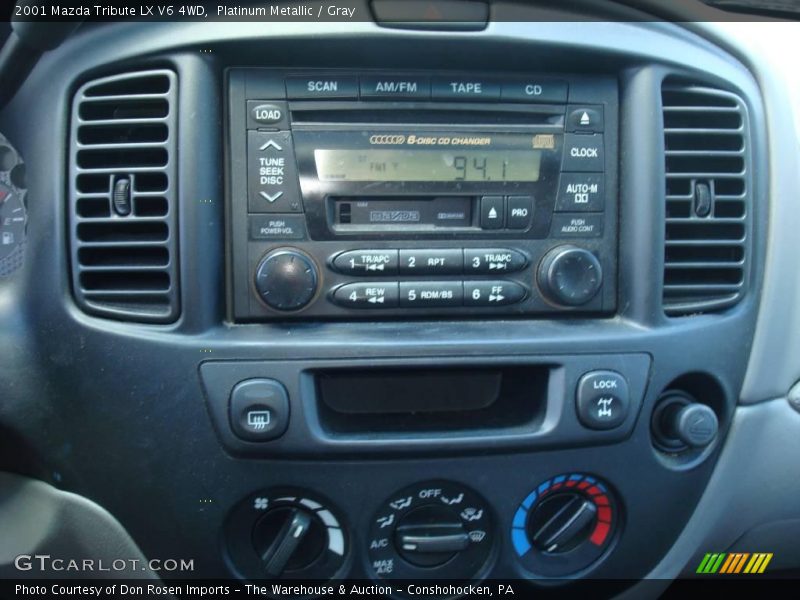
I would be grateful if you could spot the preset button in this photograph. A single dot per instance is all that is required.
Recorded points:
(492, 293)
(431, 262)
(367, 295)
(367, 262)
(493, 260)
(424, 294)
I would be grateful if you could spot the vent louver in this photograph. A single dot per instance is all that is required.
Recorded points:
(123, 199)
(708, 195)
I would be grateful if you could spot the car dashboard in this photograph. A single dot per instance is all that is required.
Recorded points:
(370, 300)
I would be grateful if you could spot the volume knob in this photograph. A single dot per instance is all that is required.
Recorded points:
(286, 279)
(569, 275)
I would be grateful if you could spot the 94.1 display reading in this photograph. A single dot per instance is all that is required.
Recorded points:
(428, 165)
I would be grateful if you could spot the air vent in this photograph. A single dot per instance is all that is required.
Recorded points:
(708, 198)
(123, 199)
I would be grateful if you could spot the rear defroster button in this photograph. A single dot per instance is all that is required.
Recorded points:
(259, 410)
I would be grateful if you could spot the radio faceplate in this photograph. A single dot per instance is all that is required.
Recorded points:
(372, 195)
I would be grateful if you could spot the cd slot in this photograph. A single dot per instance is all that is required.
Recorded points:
(426, 114)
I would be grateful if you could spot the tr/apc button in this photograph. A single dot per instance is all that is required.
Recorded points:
(603, 399)
(493, 260)
(367, 262)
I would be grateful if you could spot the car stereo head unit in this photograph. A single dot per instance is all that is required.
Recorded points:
(363, 194)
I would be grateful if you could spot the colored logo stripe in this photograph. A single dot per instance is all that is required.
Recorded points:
(711, 563)
(758, 563)
(734, 563)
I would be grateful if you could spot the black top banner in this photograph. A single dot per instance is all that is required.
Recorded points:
(430, 14)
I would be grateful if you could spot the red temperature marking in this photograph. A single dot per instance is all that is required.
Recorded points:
(600, 533)
(604, 513)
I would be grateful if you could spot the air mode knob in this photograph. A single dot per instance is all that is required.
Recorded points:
(286, 279)
(569, 275)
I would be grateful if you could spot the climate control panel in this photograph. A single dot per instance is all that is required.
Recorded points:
(436, 529)
(432, 529)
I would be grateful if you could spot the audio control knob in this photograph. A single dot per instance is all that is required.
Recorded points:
(286, 279)
(569, 275)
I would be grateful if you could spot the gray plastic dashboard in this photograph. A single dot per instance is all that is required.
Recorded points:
(57, 348)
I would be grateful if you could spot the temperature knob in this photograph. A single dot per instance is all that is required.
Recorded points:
(286, 279)
(570, 276)
(564, 525)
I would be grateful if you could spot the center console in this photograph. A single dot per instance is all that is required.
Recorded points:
(376, 194)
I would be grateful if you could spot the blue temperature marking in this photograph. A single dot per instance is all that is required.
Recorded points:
(575, 477)
(520, 541)
(519, 518)
(544, 486)
(560, 479)
(528, 502)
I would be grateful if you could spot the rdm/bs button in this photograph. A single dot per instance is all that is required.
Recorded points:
(259, 410)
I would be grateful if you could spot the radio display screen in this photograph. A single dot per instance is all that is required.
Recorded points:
(443, 157)
(428, 165)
